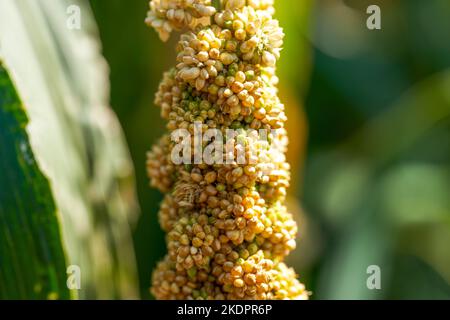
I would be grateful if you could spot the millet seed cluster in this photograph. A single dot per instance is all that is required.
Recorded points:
(227, 228)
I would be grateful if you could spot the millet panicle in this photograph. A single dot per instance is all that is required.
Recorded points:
(228, 230)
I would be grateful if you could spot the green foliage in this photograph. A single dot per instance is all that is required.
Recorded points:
(32, 263)
(75, 138)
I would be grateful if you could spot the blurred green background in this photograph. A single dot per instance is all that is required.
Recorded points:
(369, 124)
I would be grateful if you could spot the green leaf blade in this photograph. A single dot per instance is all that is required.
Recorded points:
(32, 260)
